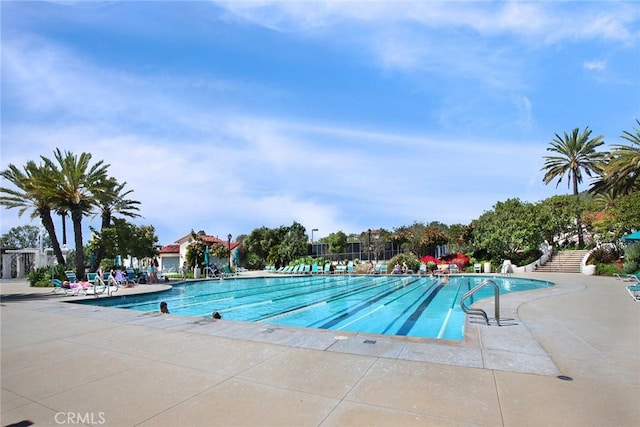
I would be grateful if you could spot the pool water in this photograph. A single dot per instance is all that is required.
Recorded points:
(415, 306)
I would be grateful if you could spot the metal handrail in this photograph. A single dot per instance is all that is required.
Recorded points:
(479, 311)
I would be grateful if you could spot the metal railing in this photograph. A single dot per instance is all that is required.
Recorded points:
(479, 311)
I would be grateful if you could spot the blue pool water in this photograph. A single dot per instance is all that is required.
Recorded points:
(415, 306)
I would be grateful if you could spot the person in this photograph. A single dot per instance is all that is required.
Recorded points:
(164, 309)
(405, 268)
(372, 268)
(397, 269)
(183, 270)
(216, 315)
(216, 270)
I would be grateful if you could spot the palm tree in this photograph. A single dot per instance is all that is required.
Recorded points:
(30, 193)
(110, 200)
(76, 185)
(623, 170)
(574, 154)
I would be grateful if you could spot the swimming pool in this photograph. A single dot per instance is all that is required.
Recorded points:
(415, 306)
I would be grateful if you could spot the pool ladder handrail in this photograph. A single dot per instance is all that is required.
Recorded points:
(479, 311)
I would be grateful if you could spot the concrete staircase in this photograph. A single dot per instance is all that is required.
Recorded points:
(563, 262)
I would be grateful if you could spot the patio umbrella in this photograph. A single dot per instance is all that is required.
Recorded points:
(206, 256)
(632, 236)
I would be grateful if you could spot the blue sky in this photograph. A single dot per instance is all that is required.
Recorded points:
(226, 117)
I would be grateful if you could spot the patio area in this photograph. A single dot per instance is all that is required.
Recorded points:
(570, 356)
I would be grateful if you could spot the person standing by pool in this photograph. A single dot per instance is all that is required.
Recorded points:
(164, 309)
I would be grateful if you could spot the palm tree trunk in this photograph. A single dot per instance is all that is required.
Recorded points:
(578, 213)
(47, 223)
(64, 228)
(76, 218)
(106, 223)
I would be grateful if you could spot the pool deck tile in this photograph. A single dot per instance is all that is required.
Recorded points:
(116, 367)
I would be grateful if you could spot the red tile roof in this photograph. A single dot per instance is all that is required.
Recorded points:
(170, 249)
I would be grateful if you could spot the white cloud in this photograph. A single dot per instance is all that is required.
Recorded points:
(525, 117)
(595, 65)
(220, 167)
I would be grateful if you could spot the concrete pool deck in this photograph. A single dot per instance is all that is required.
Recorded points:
(71, 364)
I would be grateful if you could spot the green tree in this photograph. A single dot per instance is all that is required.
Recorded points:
(574, 153)
(31, 193)
(259, 245)
(622, 173)
(124, 238)
(74, 187)
(626, 212)
(556, 217)
(24, 236)
(110, 201)
(432, 237)
(509, 228)
(337, 242)
(294, 243)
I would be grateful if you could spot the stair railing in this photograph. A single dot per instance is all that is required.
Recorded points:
(479, 311)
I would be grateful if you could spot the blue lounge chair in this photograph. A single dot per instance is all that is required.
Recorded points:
(350, 267)
(58, 288)
(314, 269)
(327, 268)
(227, 272)
(423, 269)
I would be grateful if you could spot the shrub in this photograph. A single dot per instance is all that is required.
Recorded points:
(412, 261)
(607, 269)
(41, 277)
(526, 257)
(605, 254)
(459, 259)
(632, 258)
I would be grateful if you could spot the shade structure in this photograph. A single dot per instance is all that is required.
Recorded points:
(206, 255)
(632, 236)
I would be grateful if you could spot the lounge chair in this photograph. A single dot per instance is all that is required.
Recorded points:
(442, 269)
(477, 268)
(628, 278)
(506, 267)
(422, 269)
(634, 291)
(341, 269)
(97, 286)
(227, 272)
(75, 290)
(327, 268)
(314, 269)
(383, 269)
(350, 268)
(306, 269)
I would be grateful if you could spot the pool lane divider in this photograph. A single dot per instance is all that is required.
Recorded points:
(362, 306)
(443, 328)
(366, 286)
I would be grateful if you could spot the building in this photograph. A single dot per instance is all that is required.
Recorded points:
(171, 257)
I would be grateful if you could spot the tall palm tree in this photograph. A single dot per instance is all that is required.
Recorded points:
(76, 184)
(623, 170)
(30, 193)
(112, 199)
(574, 153)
